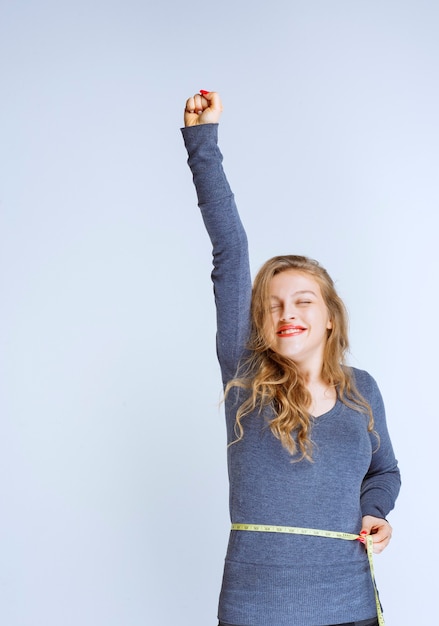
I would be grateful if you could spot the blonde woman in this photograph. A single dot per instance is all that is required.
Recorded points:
(308, 442)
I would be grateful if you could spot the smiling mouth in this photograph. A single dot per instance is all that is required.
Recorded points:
(290, 331)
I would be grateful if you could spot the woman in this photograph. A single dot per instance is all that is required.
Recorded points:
(308, 442)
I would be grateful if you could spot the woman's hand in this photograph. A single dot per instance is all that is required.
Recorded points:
(203, 108)
(380, 530)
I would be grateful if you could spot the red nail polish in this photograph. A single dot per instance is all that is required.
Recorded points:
(203, 92)
(363, 532)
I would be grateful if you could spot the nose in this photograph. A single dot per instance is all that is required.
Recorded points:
(287, 315)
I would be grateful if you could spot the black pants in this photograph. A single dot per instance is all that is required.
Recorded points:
(364, 622)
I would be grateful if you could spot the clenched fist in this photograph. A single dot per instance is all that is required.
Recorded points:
(203, 108)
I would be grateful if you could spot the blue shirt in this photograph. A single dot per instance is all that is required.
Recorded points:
(276, 579)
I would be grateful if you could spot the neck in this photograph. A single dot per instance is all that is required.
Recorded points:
(312, 374)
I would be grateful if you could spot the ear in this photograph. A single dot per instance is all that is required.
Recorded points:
(329, 325)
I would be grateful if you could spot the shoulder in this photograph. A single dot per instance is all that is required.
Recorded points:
(365, 382)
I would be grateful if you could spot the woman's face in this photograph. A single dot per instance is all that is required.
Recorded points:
(299, 319)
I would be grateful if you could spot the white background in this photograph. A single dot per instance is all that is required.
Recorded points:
(113, 483)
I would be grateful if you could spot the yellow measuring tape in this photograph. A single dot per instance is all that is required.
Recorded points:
(294, 530)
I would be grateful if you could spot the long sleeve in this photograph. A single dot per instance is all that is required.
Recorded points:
(231, 273)
(382, 482)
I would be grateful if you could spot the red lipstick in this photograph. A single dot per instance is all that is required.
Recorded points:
(289, 330)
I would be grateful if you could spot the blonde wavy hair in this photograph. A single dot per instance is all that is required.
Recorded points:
(271, 379)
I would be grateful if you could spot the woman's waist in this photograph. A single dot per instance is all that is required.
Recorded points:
(318, 545)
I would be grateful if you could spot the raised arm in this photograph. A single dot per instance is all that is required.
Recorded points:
(231, 273)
